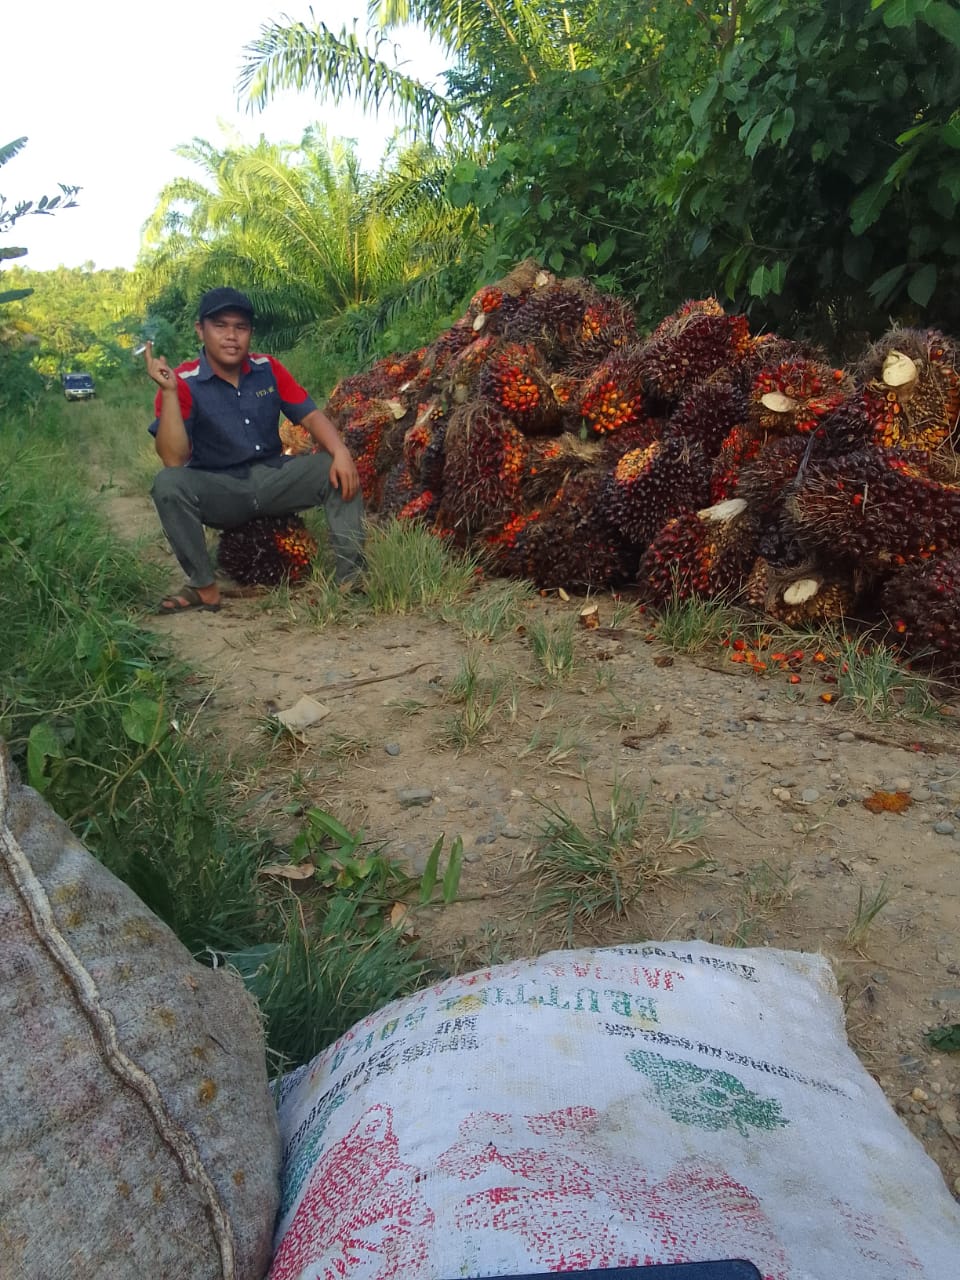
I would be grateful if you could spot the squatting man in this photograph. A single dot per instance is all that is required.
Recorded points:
(217, 433)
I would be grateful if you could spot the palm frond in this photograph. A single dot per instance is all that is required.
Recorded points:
(9, 149)
(303, 57)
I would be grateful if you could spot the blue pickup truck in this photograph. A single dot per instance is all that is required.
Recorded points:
(78, 386)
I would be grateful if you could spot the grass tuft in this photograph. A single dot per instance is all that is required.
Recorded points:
(871, 679)
(492, 611)
(696, 625)
(588, 874)
(868, 908)
(409, 568)
(554, 647)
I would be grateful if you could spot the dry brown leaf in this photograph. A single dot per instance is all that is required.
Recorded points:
(288, 870)
(563, 595)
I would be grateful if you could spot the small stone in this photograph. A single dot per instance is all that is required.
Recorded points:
(392, 748)
(946, 995)
(846, 736)
(920, 794)
(935, 787)
(408, 797)
(809, 795)
(781, 793)
(788, 780)
(488, 838)
(710, 795)
(901, 784)
(944, 828)
(729, 789)
(822, 753)
(918, 1094)
(510, 832)
(911, 1065)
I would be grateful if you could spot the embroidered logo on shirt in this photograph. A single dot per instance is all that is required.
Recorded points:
(268, 391)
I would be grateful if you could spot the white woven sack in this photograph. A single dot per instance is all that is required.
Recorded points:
(590, 1109)
(138, 1137)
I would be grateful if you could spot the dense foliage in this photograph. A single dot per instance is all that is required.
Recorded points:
(802, 156)
(76, 318)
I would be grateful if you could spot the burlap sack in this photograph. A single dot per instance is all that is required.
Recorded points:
(138, 1137)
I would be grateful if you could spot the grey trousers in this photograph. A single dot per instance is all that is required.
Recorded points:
(187, 498)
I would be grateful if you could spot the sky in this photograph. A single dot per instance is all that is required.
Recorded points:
(105, 91)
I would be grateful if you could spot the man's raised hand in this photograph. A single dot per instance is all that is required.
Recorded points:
(159, 370)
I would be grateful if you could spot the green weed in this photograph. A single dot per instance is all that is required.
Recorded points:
(871, 679)
(491, 612)
(554, 647)
(409, 568)
(868, 908)
(766, 890)
(695, 625)
(587, 874)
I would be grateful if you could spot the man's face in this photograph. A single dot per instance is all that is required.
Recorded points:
(226, 337)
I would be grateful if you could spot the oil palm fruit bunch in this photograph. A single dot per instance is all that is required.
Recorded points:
(484, 463)
(567, 390)
(570, 544)
(513, 380)
(420, 439)
(463, 372)
(363, 437)
(491, 309)
(432, 460)
(738, 447)
(799, 597)
(767, 349)
(699, 553)
(911, 389)
(493, 305)
(295, 439)
(612, 396)
(650, 485)
(608, 325)
(795, 396)
(436, 360)
(637, 436)
(708, 414)
(764, 478)
(552, 318)
(422, 509)
(551, 461)
(267, 551)
(694, 345)
(847, 429)
(561, 552)
(880, 507)
(399, 488)
(505, 546)
(922, 604)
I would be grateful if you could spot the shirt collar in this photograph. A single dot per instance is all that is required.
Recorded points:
(205, 373)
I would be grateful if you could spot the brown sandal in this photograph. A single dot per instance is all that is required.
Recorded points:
(185, 599)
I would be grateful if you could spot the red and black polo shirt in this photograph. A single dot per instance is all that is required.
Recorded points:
(230, 426)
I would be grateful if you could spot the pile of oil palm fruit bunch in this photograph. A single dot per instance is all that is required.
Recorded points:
(545, 432)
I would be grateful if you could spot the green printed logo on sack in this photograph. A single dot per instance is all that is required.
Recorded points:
(709, 1099)
(297, 1167)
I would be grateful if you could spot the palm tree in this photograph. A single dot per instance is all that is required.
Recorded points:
(496, 47)
(312, 236)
